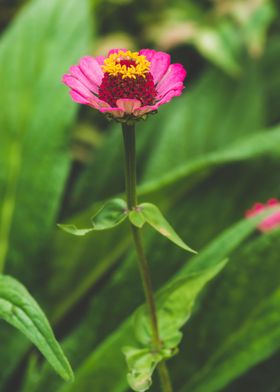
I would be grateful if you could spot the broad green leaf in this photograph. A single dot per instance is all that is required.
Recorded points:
(36, 114)
(192, 124)
(110, 215)
(154, 217)
(19, 309)
(176, 301)
(272, 80)
(215, 43)
(254, 341)
(174, 306)
(35, 51)
(236, 340)
(266, 143)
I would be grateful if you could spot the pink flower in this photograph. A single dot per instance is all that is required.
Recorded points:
(125, 85)
(271, 221)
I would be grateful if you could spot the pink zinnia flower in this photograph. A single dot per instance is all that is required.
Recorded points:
(125, 85)
(270, 222)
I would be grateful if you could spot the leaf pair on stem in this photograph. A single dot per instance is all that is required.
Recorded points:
(116, 211)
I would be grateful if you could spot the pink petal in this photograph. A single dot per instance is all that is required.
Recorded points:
(173, 78)
(255, 210)
(78, 98)
(76, 85)
(128, 105)
(273, 202)
(144, 110)
(169, 95)
(98, 103)
(116, 112)
(160, 62)
(100, 59)
(116, 51)
(149, 53)
(77, 72)
(82, 94)
(92, 70)
(271, 222)
(93, 101)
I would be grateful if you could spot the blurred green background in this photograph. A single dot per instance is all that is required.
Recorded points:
(204, 159)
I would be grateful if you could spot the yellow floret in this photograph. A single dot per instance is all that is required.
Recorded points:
(113, 67)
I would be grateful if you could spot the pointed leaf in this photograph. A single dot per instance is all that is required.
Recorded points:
(137, 218)
(155, 218)
(174, 306)
(72, 229)
(19, 309)
(109, 216)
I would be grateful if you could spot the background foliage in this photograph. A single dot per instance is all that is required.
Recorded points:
(204, 159)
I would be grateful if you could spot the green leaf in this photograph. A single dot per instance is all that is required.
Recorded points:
(174, 306)
(19, 309)
(137, 218)
(35, 51)
(255, 27)
(265, 143)
(217, 44)
(110, 215)
(37, 47)
(256, 340)
(141, 364)
(241, 327)
(155, 218)
(72, 229)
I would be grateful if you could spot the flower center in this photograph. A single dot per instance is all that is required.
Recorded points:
(127, 64)
(126, 75)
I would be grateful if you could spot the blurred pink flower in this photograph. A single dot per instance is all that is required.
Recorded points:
(271, 221)
(125, 85)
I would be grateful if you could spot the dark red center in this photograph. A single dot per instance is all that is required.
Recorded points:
(113, 88)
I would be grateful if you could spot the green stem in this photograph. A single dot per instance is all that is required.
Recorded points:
(130, 165)
(130, 181)
(164, 377)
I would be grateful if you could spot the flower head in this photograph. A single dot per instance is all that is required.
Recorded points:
(125, 85)
(271, 221)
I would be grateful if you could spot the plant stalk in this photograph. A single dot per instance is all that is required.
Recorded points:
(130, 182)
